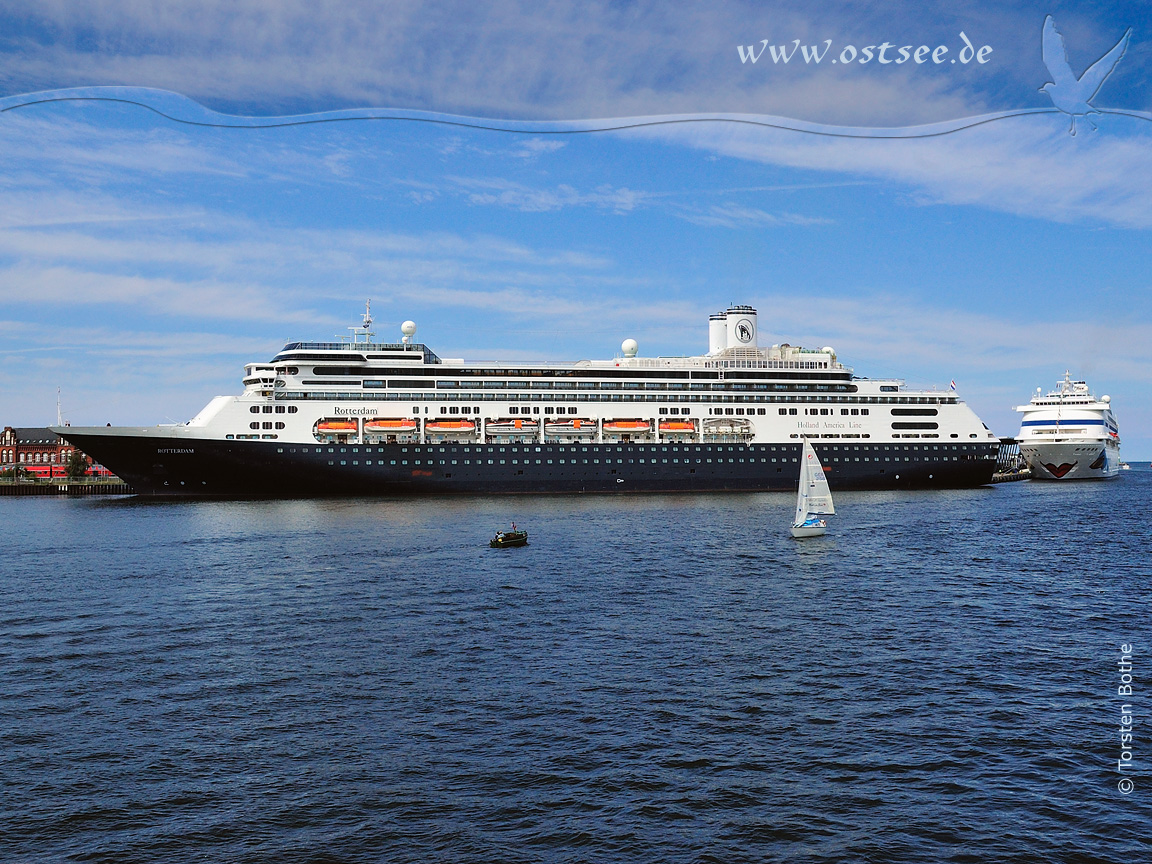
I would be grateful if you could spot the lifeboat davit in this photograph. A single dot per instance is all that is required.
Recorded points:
(511, 425)
(573, 426)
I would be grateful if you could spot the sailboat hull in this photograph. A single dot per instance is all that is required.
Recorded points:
(799, 531)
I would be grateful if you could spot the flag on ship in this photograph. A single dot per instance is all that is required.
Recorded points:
(952, 386)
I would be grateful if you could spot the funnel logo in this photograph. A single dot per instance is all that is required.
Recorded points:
(744, 331)
(1068, 93)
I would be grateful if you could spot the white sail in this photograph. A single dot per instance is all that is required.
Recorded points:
(802, 496)
(813, 495)
(819, 495)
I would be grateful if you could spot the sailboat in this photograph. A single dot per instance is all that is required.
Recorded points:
(813, 498)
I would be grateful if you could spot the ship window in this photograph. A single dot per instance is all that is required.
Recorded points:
(292, 409)
(280, 409)
(791, 410)
(280, 425)
(267, 409)
(255, 409)
(254, 425)
(230, 437)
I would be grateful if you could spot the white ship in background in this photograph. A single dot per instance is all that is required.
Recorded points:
(1069, 434)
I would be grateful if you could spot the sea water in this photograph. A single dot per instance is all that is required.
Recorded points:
(665, 678)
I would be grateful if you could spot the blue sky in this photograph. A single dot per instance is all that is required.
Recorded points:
(143, 261)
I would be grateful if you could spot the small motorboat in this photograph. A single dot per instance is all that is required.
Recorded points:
(507, 539)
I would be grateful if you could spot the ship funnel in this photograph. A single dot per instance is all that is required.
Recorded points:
(717, 332)
(742, 331)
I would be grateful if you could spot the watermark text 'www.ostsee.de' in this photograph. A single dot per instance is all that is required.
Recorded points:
(884, 54)
(1125, 763)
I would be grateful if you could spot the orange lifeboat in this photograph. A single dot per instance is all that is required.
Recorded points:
(390, 424)
(677, 426)
(450, 426)
(336, 426)
(627, 425)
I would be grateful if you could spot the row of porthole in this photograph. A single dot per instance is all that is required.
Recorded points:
(441, 397)
(279, 409)
(620, 448)
(824, 412)
(432, 462)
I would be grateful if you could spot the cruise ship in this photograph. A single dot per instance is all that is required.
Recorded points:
(1069, 435)
(360, 416)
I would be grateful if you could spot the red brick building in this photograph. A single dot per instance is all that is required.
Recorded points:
(39, 451)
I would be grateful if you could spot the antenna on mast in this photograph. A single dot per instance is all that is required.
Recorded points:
(364, 329)
(59, 416)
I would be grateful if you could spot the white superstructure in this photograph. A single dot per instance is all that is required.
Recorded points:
(1069, 434)
(738, 392)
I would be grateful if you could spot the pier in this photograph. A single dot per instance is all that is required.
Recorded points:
(1010, 464)
(65, 487)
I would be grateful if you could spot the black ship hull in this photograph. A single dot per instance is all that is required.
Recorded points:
(158, 465)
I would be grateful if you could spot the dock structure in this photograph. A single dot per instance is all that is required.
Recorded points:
(1010, 463)
(64, 488)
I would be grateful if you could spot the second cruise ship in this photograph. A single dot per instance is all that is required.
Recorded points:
(365, 417)
(1069, 434)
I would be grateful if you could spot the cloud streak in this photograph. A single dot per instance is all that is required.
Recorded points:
(1021, 165)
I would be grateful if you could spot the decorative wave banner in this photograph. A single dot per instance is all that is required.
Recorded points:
(181, 109)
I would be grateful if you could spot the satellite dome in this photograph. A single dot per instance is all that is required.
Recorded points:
(629, 347)
(1105, 398)
(408, 328)
(828, 349)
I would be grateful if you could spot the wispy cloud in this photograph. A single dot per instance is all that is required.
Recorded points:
(1029, 166)
(739, 216)
(518, 196)
(534, 147)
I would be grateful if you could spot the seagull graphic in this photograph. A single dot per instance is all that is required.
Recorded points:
(1070, 94)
